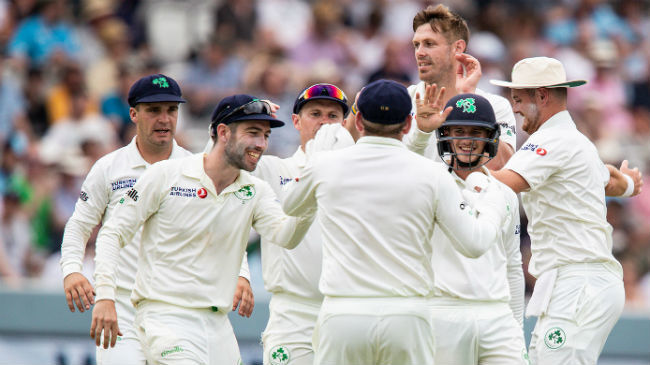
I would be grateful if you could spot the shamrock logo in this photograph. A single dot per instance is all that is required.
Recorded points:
(246, 192)
(467, 104)
(279, 355)
(160, 82)
(555, 338)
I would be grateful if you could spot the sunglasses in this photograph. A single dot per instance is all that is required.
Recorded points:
(255, 106)
(323, 90)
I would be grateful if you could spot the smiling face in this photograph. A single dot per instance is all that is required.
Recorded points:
(313, 115)
(434, 55)
(468, 150)
(524, 104)
(247, 141)
(156, 123)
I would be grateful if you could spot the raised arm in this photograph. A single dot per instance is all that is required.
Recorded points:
(619, 181)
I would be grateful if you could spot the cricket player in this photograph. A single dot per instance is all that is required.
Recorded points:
(377, 205)
(440, 40)
(291, 276)
(154, 102)
(196, 214)
(579, 294)
(479, 302)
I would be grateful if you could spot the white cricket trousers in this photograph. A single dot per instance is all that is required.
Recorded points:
(172, 334)
(287, 338)
(475, 332)
(587, 300)
(374, 331)
(127, 350)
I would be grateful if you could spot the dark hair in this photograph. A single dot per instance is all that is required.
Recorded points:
(444, 21)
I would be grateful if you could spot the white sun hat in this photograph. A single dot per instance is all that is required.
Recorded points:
(537, 72)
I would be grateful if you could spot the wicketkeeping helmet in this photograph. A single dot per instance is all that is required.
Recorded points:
(474, 111)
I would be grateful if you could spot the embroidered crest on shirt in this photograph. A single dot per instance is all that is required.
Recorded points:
(467, 104)
(279, 355)
(555, 338)
(246, 192)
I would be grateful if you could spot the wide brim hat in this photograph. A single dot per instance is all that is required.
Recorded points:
(538, 72)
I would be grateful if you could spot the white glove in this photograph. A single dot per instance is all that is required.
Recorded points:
(328, 138)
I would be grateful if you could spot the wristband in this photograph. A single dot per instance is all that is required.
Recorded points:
(630, 186)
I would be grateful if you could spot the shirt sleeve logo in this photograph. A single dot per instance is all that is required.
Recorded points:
(83, 196)
(246, 192)
(133, 194)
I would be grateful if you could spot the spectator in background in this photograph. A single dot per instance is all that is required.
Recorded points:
(114, 104)
(59, 99)
(236, 19)
(216, 73)
(34, 93)
(16, 235)
(12, 103)
(45, 38)
(393, 67)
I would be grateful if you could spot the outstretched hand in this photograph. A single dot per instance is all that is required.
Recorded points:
(635, 174)
(429, 113)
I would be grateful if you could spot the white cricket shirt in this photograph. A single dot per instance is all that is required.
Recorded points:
(193, 240)
(566, 202)
(296, 271)
(485, 278)
(426, 143)
(105, 184)
(377, 204)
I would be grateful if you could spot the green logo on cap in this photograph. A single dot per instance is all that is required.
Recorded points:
(161, 82)
(467, 104)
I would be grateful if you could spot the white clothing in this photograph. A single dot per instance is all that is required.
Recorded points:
(374, 331)
(296, 271)
(104, 186)
(587, 300)
(473, 332)
(495, 276)
(290, 329)
(127, 350)
(377, 204)
(566, 202)
(175, 335)
(426, 143)
(187, 226)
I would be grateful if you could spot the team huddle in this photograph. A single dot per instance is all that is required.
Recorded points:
(391, 235)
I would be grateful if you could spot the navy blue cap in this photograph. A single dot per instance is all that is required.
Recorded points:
(470, 110)
(154, 88)
(384, 102)
(226, 112)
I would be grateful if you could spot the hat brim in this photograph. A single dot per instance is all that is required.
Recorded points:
(344, 105)
(157, 98)
(274, 123)
(468, 122)
(511, 85)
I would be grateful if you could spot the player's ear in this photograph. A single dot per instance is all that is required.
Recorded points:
(459, 46)
(133, 113)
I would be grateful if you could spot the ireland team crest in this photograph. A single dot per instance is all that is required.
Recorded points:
(467, 104)
(555, 338)
(246, 192)
(279, 355)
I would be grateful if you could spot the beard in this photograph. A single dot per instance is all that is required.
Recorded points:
(531, 119)
(236, 155)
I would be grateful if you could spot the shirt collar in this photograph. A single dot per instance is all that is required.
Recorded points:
(136, 157)
(387, 141)
(194, 170)
(560, 119)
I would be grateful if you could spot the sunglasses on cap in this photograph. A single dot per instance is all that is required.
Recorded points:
(255, 106)
(323, 90)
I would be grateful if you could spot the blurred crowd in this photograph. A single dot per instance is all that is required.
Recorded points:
(66, 67)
